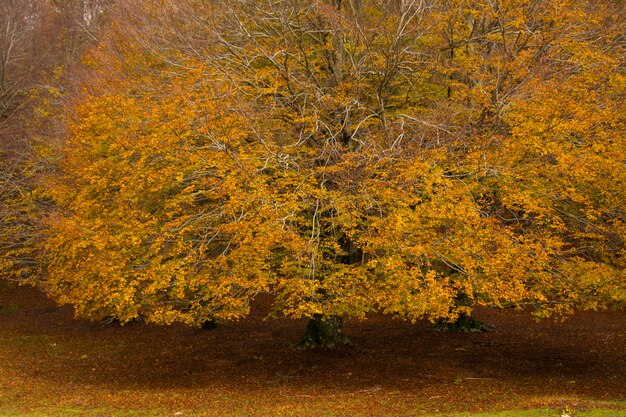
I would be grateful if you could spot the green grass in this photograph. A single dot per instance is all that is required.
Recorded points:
(11, 308)
(539, 413)
(72, 412)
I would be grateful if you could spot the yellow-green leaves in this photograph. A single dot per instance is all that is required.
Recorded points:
(395, 158)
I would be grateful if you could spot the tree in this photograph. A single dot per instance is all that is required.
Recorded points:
(38, 41)
(346, 156)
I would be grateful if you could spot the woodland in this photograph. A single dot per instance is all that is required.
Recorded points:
(173, 162)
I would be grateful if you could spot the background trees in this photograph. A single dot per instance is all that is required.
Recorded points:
(413, 157)
(39, 41)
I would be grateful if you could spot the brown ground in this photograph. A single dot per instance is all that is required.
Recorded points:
(49, 359)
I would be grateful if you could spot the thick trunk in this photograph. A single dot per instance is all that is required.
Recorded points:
(208, 324)
(323, 331)
(463, 324)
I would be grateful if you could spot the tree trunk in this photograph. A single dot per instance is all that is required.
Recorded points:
(463, 324)
(323, 331)
(208, 324)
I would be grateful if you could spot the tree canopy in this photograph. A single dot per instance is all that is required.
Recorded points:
(415, 157)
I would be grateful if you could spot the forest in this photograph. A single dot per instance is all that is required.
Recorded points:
(325, 165)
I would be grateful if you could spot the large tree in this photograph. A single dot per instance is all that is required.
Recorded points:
(413, 157)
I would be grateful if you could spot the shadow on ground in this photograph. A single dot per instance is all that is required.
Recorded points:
(47, 357)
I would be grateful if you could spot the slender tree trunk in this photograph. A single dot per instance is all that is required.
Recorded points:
(323, 331)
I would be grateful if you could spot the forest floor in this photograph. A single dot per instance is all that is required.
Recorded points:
(50, 361)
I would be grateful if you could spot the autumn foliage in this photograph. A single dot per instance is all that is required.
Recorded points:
(418, 158)
(39, 42)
